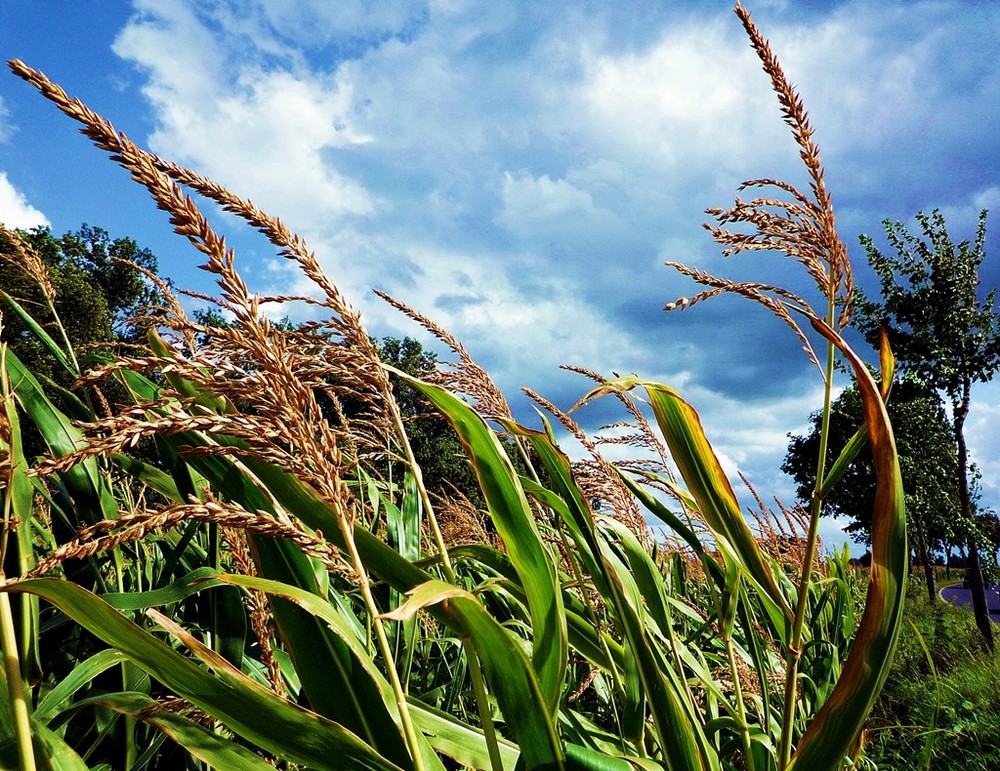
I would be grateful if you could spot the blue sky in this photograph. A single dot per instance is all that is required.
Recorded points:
(520, 171)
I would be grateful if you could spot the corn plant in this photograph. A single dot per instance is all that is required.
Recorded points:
(269, 590)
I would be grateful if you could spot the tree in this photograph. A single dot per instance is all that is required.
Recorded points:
(77, 287)
(941, 333)
(439, 453)
(926, 448)
(81, 291)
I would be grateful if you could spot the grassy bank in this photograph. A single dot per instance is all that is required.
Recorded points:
(941, 705)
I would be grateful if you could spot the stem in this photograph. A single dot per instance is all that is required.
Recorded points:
(483, 705)
(741, 712)
(65, 336)
(815, 508)
(425, 498)
(8, 637)
(409, 731)
(475, 672)
(15, 685)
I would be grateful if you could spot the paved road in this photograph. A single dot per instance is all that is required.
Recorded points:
(962, 598)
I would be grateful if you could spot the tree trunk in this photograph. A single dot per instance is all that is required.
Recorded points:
(925, 558)
(973, 567)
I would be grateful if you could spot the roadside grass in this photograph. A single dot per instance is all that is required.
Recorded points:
(942, 713)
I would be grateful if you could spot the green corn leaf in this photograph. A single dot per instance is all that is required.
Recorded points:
(196, 581)
(510, 512)
(250, 710)
(318, 655)
(52, 753)
(662, 513)
(459, 741)
(345, 629)
(330, 674)
(860, 438)
(84, 482)
(511, 676)
(566, 500)
(403, 524)
(19, 491)
(39, 331)
(832, 733)
(677, 724)
(681, 736)
(150, 476)
(202, 743)
(592, 644)
(647, 575)
(706, 481)
(57, 699)
(585, 759)
(230, 625)
(844, 460)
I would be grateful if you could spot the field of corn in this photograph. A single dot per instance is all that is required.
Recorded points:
(228, 558)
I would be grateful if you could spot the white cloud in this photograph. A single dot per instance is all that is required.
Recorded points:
(528, 198)
(962, 216)
(515, 172)
(695, 98)
(553, 209)
(15, 211)
(6, 129)
(987, 199)
(260, 132)
(526, 339)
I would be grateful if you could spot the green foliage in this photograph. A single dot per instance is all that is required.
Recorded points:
(643, 640)
(927, 461)
(938, 326)
(962, 730)
(96, 296)
(285, 589)
(439, 453)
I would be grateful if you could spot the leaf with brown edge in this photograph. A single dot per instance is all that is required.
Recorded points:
(705, 480)
(860, 438)
(832, 733)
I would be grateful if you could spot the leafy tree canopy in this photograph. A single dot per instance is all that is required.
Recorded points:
(443, 461)
(927, 461)
(81, 290)
(939, 328)
(943, 333)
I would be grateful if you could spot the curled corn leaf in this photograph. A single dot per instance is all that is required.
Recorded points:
(838, 723)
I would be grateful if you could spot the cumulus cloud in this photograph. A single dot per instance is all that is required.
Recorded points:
(520, 171)
(15, 211)
(692, 101)
(254, 129)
